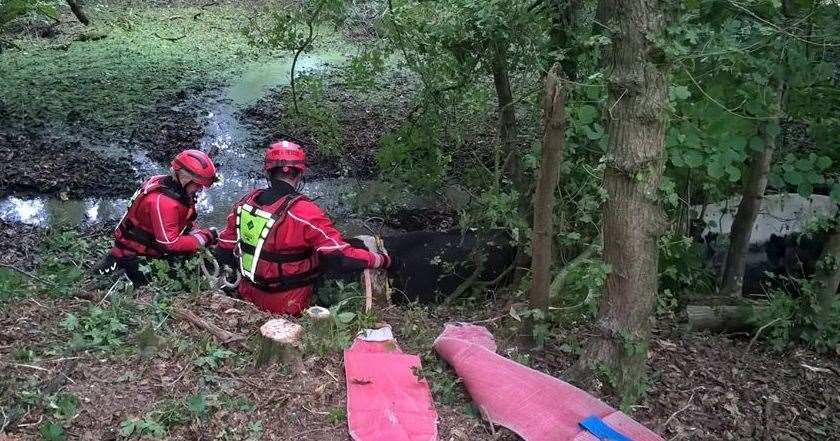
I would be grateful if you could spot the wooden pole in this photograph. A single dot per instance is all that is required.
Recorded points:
(375, 281)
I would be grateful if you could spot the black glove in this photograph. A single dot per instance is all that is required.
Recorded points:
(226, 257)
(107, 265)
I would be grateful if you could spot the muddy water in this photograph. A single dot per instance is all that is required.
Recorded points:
(226, 138)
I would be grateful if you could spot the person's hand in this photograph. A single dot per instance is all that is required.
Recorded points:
(209, 236)
(390, 261)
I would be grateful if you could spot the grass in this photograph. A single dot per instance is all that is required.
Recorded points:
(113, 80)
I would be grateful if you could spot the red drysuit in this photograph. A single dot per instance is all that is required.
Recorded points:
(288, 265)
(158, 222)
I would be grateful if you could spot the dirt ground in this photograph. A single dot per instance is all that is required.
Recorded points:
(701, 386)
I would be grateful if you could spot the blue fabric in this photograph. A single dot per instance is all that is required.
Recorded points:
(597, 427)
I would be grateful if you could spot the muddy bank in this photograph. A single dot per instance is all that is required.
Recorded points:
(363, 118)
(38, 163)
(174, 123)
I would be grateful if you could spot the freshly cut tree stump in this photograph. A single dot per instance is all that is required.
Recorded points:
(279, 342)
(321, 320)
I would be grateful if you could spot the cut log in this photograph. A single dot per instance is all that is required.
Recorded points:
(224, 336)
(731, 318)
(279, 342)
(321, 321)
(375, 281)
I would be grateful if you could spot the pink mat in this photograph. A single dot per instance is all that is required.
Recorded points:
(536, 406)
(385, 400)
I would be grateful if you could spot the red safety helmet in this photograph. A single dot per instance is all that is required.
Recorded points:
(285, 154)
(198, 165)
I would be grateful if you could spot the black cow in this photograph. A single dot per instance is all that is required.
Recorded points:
(791, 255)
(431, 265)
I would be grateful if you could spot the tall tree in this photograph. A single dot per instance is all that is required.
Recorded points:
(633, 218)
(755, 184)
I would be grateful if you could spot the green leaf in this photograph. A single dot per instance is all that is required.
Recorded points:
(66, 405)
(715, 168)
(586, 114)
(70, 322)
(51, 432)
(773, 129)
(677, 158)
(824, 162)
(733, 172)
(736, 142)
(793, 177)
(693, 158)
(594, 135)
(757, 144)
(47, 10)
(680, 92)
(345, 317)
(805, 189)
(835, 192)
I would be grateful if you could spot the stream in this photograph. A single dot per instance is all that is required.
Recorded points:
(225, 137)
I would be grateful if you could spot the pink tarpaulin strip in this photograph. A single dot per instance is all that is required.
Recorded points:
(385, 400)
(536, 406)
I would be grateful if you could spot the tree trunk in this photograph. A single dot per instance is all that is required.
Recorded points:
(633, 218)
(507, 113)
(507, 133)
(76, 7)
(828, 274)
(554, 140)
(755, 183)
(292, 78)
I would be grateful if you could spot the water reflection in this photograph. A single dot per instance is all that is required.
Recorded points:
(28, 211)
(338, 197)
(54, 212)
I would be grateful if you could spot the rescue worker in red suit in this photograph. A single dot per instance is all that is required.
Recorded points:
(274, 236)
(160, 216)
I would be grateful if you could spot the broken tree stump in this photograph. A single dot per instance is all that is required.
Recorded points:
(375, 281)
(279, 342)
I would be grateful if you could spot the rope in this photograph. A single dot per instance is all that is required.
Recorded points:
(203, 257)
(224, 279)
(217, 277)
